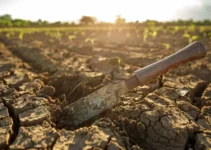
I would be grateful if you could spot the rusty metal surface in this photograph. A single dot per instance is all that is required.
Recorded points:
(96, 102)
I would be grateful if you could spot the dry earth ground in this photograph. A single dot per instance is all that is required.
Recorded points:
(39, 76)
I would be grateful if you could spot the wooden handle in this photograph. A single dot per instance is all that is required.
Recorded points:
(144, 75)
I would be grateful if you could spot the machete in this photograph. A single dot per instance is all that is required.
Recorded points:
(108, 96)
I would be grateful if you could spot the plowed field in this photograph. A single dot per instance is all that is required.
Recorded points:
(40, 75)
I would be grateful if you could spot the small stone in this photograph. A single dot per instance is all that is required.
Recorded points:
(182, 92)
(101, 64)
(48, 90)
(62, 98)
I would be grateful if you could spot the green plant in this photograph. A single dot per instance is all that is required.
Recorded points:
(190, 38)
(114, 60)
(204, 34)
(172, 30)
(75, 32)
(166, 45)
(145, 34)
(58, 35)
(20, 36)
(55, 34)
(9, 34)
(202, 29)
(191, 28)
(91, 40)
(83, 33)
(154, 34)
(47, 33)
(176, 29)
(71, 37)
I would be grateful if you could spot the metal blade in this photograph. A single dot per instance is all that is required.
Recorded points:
(95, 103)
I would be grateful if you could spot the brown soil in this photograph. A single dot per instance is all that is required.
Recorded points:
(39, 76)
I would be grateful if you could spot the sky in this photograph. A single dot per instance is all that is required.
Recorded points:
(106, 10)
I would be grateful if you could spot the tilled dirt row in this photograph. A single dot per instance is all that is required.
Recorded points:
(26, 112)
(170, 113)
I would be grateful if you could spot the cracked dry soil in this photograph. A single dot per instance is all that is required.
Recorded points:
(38, 79)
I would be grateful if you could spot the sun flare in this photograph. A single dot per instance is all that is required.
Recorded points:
(67, 10)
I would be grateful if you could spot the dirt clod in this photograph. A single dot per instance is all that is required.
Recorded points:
(48, 90)
(6, 124)
(34, 137)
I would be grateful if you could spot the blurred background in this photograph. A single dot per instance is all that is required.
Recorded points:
(70, 12)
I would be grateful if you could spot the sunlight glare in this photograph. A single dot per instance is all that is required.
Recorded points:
(68, 10)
